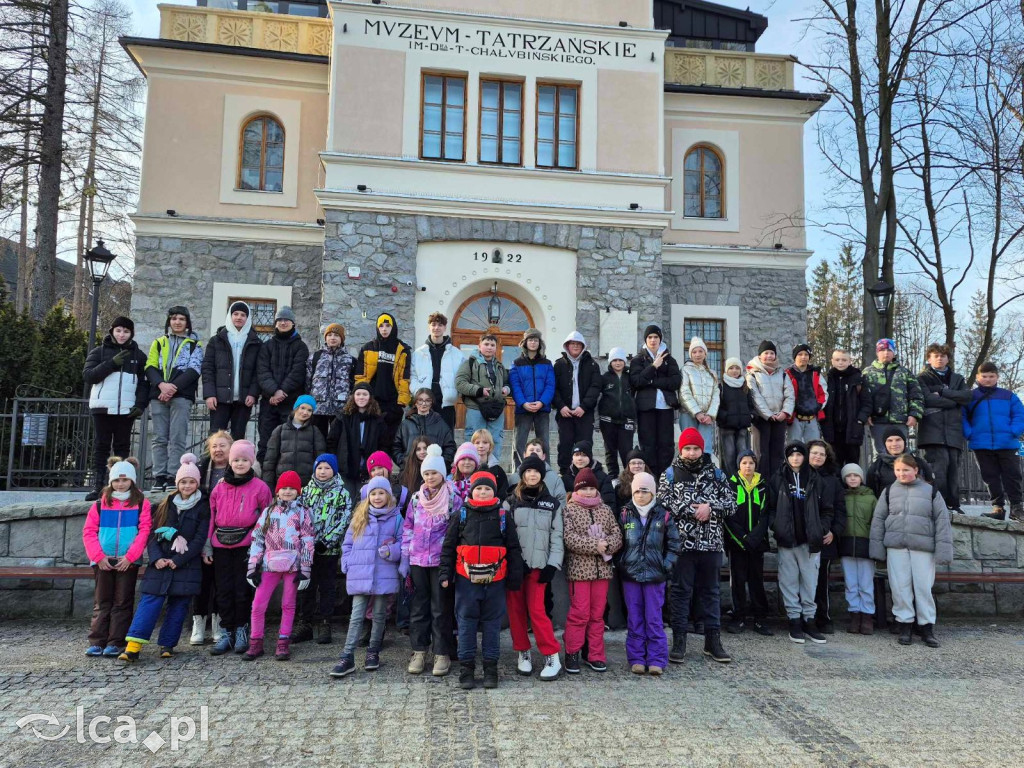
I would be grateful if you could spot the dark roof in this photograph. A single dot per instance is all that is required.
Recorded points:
(9, 271)
(231, 50)
(699, 20)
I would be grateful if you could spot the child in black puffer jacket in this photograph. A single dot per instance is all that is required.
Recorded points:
(616, 411)
(294, 445)
(734, 414)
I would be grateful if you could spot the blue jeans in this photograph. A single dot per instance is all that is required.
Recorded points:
(355, 622)
(483, 605)
(707, 431)
(475, 421)
(148, 612)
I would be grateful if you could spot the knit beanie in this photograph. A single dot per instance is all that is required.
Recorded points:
(384, 316)
(853, 469)
(656, 330)
(466, 451)
(375, 483)
(795, 447)
(617, 353)
(379, 459)
(805, 347)
(326, 458)
(285, 313)
(744, 454)
(644, 481)
(584, 447)
(289, 479)
(893, 432)
(883, 344)
(766, 346)
(188, 468)
(585, 478)
(434, 460)
(731, 361)
(696, 342)
(362, 385)
(337, 328)
(239, 306)
(483, 479)
(691, 436)
(636, 453)
(123, 469)
(123, 322)
(242, 449)
(304, 400)
(533, 461)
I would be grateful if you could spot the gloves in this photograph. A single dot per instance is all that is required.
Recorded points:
(403, 570)
(320, 548)
(166, 533)
(303, 579)
(121, 357)
(254, 578)
(547, 573)
(135, 412)
(179, 545)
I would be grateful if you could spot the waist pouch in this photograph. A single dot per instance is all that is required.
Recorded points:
(230, 535)
(281, 561)
(481, 565)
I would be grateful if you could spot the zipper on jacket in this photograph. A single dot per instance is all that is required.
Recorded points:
(117, 536)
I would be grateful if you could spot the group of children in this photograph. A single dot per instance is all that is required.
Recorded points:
(471, 553)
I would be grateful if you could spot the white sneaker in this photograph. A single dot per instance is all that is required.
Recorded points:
(198, 630)
(525, 666)
(215, 630)
(552, 666)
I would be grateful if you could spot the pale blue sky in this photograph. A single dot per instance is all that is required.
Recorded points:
(785, 34)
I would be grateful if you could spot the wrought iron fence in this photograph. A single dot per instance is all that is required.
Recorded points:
(49, 442)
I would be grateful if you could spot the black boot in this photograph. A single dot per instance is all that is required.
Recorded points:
(678, 653)
(928, 635)
(490, 674)
(466, 681)
(906, 633)
(324, 635)
(302, 631)
(713, 647)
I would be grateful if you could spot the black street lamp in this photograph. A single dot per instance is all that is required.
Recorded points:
(881, 293)
(99, 259)
(494, 306)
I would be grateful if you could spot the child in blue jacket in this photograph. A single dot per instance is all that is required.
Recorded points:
(532, 381)
(993, 426)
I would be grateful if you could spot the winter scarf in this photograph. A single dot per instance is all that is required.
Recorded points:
(232, 479)
(185, 504)
(736, 382)
(438, 504)
(590, 502)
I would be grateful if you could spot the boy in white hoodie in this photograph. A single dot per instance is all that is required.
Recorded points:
(577, 389)
(774, 399)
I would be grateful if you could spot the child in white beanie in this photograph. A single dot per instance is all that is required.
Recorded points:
(616, 411)
(854, 549)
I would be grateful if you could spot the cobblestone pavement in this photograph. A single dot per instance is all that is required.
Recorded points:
(861, 701)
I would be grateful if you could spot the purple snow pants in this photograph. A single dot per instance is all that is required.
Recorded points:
(645, 634)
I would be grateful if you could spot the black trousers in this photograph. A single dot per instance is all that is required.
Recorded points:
(570, 432)
(846, 453)
(696, 577)
(656, 432)
(323, 423)
(205, 602)
(1001, 472)
(432, 614)
(945, 463)
(823, 614)
(322, 589)
(270, 418)
(231, 416)
(618, 442)
(392, 420)
(234, 595)
(772, 444)
(113, 438)
(746, 574)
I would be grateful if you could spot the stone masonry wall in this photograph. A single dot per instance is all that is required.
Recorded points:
(772, 302)
(617, 267)
(50, 534)
(171, 270)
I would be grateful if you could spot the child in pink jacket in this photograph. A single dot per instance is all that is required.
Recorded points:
(235, 505)
(115, 535)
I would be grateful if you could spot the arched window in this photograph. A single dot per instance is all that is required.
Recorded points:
(702, 183)
(261, 164)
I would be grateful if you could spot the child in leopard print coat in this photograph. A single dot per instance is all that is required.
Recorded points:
(591, 536)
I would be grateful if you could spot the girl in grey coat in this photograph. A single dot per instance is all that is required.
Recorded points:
(911, 532)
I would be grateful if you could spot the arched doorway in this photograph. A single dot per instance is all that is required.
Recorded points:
(501, 314)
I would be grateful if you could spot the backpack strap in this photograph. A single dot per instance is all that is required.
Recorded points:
(316, 358)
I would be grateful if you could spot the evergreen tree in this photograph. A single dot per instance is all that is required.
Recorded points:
(59, 357)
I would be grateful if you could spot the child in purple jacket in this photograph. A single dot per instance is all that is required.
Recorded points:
(371, 558)
(432, 616)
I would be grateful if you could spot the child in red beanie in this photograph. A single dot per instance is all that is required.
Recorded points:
(281, 552)
(698, 495)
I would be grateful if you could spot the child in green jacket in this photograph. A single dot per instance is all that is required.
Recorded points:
(858, 567)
